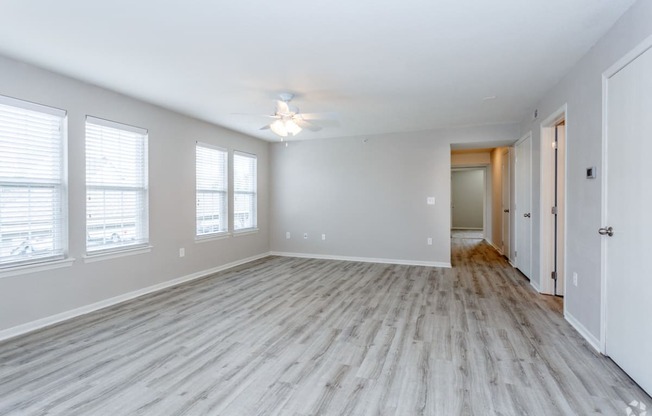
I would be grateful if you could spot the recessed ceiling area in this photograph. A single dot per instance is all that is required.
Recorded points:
(382, 66)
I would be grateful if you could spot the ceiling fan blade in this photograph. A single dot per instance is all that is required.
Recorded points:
(319, 116)
(304, 124)
(323, 122)
(282, 107)
(255, 115)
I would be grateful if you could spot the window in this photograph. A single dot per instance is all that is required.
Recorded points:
(244, 191)
(32, 202)
(116, 186)
(211, 190)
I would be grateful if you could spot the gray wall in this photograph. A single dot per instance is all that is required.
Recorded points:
(368, 194)
(172, 137)
(581, 89)
(468, 189)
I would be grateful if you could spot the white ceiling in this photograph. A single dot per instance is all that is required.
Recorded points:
(383, 66)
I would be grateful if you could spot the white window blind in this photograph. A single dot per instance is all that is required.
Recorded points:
(116, 186)
(212, 180)
(244, 191)
(32, 213)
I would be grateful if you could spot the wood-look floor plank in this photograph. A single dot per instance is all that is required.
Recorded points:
(289, 336)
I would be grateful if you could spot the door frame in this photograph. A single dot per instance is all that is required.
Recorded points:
(486, 210)
(506, 159)
(546, 223)
(639, 50)
(515, 206)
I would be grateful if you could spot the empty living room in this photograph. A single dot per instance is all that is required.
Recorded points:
(325, 208)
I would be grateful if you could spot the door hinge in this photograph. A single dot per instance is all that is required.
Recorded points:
(515, 253)
(553, 275)
(554, 210)
(554, 145)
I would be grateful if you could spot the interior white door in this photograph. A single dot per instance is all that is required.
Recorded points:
(504, 171)
(628, 202)
(523, 206)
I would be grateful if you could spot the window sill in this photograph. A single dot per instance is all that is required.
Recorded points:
(245, 231)
(211, 237)
(36, 267)
(114, 254)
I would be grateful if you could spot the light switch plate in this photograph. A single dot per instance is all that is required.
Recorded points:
(430, 200)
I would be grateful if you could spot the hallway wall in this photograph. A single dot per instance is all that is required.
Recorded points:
(497, 197)
(581, 90)
(467, 189)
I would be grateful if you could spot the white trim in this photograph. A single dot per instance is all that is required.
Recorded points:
(585, 333)
(207, 238)
(36, 267)
(491, 243)
(114, 254)
(115, 125)
(467, 228)
(244, 231)
(640, 49)
(603, 219)
(535, 285)
(73, 313)
(199, 143)
(516, 209)
(546, 233)
(362, 259)
(32, 106)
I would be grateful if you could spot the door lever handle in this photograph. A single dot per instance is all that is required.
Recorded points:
(606, 231)
(505, 210)
(526, 215)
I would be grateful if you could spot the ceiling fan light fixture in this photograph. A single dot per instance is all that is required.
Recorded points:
(292, 128)
(284, 128)
(279, 128)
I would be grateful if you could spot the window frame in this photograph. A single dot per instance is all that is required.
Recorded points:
(254, 193)
(142, 217)
(225, 192)
(58, 256)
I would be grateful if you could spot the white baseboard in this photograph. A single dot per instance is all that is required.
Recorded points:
(588, 336)
(491, 243)
(64, 316)
(535, 286)
(363, 259)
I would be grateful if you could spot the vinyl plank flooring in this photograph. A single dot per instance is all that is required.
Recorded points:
(302, 337)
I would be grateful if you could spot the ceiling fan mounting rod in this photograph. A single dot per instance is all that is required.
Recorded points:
(286, 96)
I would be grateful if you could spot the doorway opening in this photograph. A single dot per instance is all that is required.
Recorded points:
(468, 202)
(553, 204)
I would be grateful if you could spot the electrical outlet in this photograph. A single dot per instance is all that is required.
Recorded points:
(430, 200)
(323, 237)
(182, 252)
(575, 278)
(305, 236)
(429, 241)
(287, 235)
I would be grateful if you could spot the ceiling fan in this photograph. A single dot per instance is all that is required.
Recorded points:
(289, 121)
